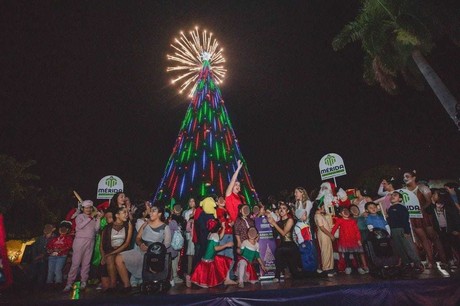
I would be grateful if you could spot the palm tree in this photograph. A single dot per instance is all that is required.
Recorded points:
(395, 36)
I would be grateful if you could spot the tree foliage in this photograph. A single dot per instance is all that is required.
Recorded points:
(390, 30)
(27, 207)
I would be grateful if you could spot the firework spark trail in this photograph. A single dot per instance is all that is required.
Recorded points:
(190, 54)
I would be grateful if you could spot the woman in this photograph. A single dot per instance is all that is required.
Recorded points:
(423, 227)
(361, 199)
(116, 201)
(302, 201)
(242, 224)
(232, 196)
(116, 238)
(154, 230)
(287, 254)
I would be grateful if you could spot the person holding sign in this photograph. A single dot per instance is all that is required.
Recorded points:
(423, 227)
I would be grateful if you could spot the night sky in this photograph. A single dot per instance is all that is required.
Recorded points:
(85, 93)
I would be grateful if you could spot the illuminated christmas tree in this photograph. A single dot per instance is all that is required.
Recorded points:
(206, 151)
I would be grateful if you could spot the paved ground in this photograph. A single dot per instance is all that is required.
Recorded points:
(29, 296)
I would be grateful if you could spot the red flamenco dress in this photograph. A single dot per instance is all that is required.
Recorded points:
(212, 269)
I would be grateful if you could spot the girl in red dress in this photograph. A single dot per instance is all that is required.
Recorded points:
(349, 241)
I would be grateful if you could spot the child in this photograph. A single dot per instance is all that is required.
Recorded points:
(249, 251)
(86, 227)
(305, 241)
(398, 219)
(325, 238)
(375, 220)
(39, 264)
(58, 248)
(213, 269)
(349, 240)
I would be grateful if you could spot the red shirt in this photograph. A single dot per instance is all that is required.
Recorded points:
(224, 218)
(231, 204)
(61, 245)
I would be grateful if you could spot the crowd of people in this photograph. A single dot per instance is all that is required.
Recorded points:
(214, 240)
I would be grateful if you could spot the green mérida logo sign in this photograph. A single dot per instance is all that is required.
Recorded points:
(331, 165)
(329, 160)
(111, 181)
(108, 186)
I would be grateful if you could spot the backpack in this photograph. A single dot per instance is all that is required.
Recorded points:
(177, 241)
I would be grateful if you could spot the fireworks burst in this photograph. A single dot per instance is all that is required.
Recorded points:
(189, 55)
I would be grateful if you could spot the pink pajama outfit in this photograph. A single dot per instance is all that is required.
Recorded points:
(83, 245)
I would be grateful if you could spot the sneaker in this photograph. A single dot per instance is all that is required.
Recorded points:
(241, 284)
(67, 288)
(172, 283)
(361, 271)
(99, 287)
(82, 285)
(276, 280)
(319, 271)
(366, 269)
(347, 270)
(331, 274)
(188, 281)
(178, 280)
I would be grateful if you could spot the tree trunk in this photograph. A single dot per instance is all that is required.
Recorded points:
(440, 90)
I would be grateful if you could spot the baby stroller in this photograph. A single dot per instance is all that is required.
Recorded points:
(155, 270)
(383, 261)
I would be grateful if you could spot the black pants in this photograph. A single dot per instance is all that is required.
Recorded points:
(287, 255)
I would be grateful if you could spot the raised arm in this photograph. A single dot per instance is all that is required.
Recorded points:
(233, 180)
